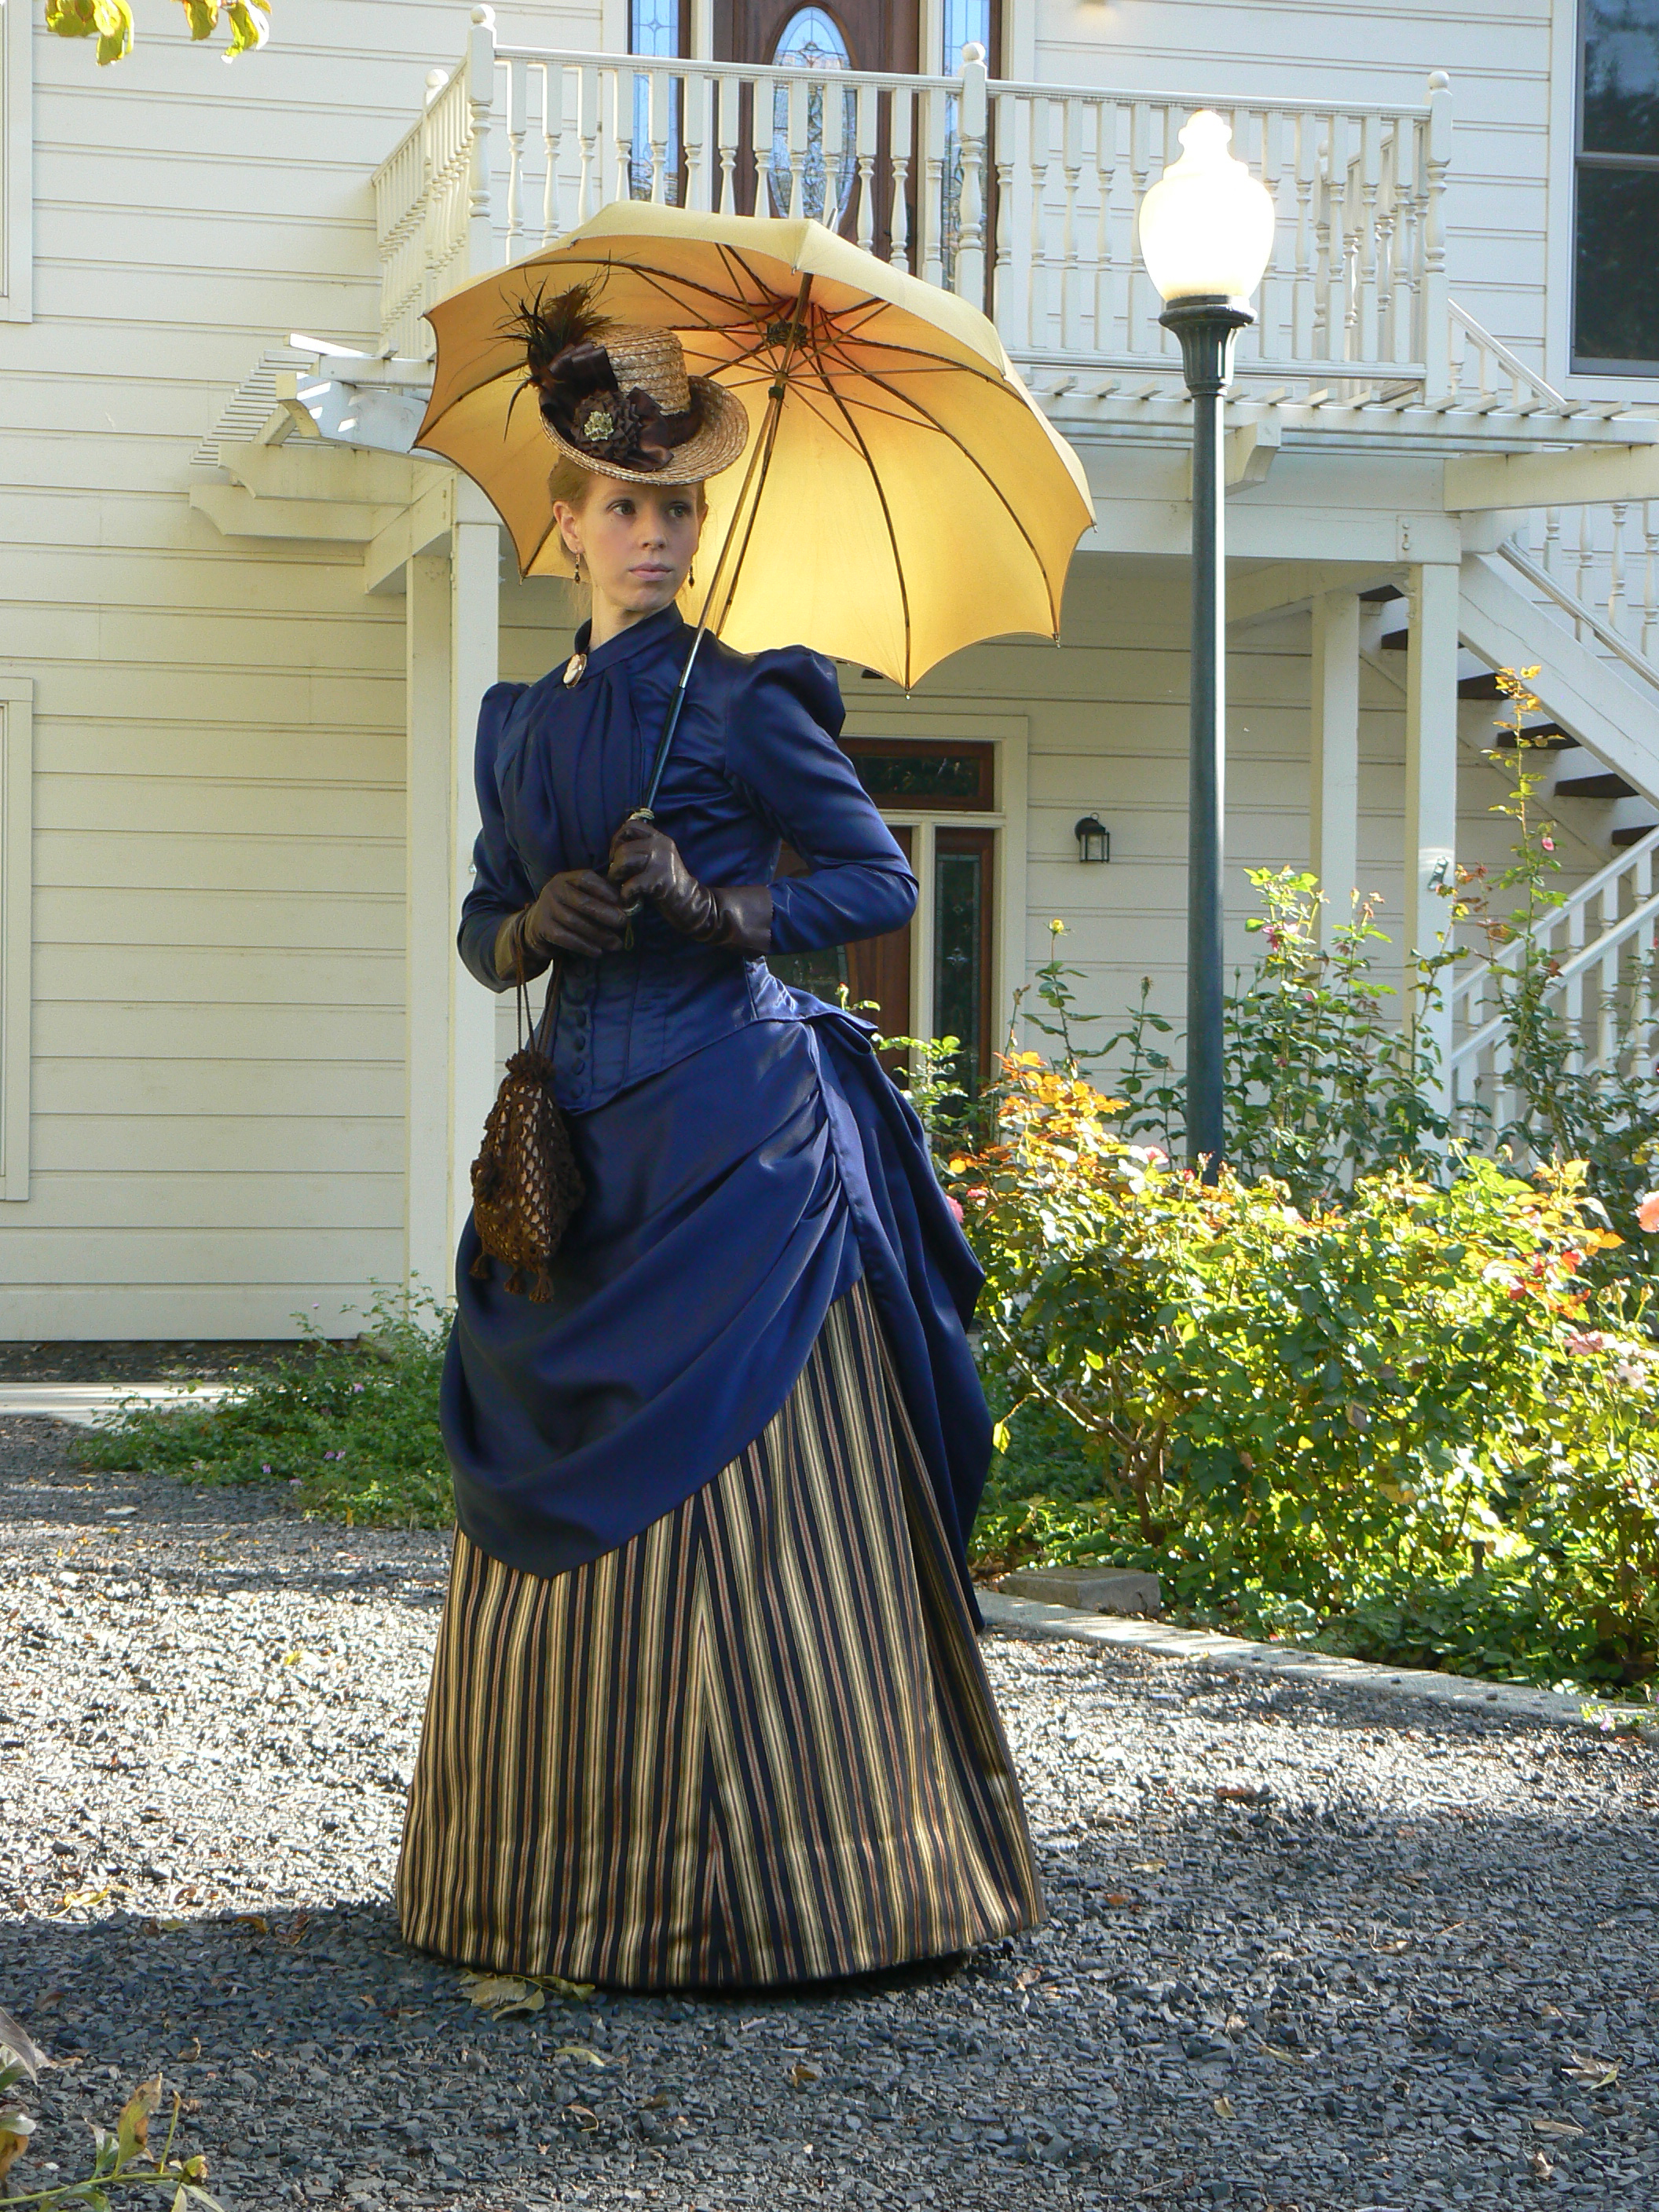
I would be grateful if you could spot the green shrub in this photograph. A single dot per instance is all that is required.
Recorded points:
(1289, 1413)
(353, 1427)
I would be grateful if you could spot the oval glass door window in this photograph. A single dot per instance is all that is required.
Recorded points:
(811, 40)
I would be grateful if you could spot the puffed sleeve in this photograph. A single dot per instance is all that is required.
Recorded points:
(781, 754)
(499, 884)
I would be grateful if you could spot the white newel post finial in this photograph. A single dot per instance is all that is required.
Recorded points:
(480, 99)
(970, 224)
(1436, 306)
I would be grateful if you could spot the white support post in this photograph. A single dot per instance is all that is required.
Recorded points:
(429, 924)
(475, 619)
(1431, 825)
(1333, 783)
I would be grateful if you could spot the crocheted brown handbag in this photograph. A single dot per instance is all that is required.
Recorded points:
(526, 1182)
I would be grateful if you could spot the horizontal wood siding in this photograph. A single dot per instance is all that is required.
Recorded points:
(1498, 54)
(218, 909)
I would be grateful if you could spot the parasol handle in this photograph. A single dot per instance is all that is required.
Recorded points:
(760, 461)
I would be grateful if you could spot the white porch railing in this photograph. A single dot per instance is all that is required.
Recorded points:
(1604, 943)
(1022, 197)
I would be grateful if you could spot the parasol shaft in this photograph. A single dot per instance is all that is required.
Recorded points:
(759, 462)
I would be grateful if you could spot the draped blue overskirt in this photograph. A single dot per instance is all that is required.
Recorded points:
(731, 1198)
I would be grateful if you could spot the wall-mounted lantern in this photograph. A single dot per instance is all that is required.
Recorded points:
(1094, 839)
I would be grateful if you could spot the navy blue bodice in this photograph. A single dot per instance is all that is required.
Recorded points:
(754, 761)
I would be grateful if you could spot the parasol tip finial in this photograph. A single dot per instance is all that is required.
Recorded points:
(484, 15)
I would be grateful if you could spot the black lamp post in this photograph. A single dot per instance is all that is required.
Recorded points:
(1207, 229)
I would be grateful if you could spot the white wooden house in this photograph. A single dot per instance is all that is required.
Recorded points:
(243, 632)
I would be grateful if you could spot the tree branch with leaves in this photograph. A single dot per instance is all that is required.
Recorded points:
(110, 22)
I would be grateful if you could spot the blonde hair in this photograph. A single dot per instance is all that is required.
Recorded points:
(570, 484)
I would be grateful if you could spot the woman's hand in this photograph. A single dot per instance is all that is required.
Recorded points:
(646, 864)
(577, 912)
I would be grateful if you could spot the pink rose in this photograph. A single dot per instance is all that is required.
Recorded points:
(954, 1206)
(1647, 1211)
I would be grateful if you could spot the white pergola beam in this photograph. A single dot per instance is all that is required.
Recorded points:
(1584, 476)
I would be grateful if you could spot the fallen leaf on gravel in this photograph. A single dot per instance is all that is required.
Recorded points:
(1223, 2107)
(1557, 2127)
(657, 2104)
(503, 1997)
(561, 1988)
(1278, 2050)
(1598, 2073)
(1541, 2167)
(255, 1923)
(800, 2075)
(1118, 1897)
(1028, 1978)
(588, 2117)
(585, 2051)
(1149, 1866)
(1241, 1793)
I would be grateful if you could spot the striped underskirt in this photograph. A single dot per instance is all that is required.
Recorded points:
(754, 1745)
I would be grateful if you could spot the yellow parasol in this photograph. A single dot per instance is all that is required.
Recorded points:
(904, 497)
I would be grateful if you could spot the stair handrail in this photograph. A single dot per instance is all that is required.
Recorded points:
(1555, 402)
(1570, 603)
(1546, 924)
(1591, 955)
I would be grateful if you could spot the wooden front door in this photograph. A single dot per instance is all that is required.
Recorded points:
(852, 34)
(878, 34)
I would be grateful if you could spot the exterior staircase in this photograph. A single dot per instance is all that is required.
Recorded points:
(1597, 735)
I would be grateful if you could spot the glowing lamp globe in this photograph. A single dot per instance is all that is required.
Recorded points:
(1207, 225)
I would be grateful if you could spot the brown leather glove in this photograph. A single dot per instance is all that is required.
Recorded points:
(646, 864)
(576, 911)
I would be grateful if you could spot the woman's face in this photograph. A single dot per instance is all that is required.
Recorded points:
(637, 541)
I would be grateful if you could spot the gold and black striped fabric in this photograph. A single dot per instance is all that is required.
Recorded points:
(754, 1745)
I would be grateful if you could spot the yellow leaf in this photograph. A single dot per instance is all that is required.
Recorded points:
(15, 2128)
(585, 2051)
(132, 2129)
(800, 2075)
(502, 1995)
(1223, 2107)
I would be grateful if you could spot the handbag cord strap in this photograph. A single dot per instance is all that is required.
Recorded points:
(535, 1032)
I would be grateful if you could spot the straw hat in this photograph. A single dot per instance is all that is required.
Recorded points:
(615, 397)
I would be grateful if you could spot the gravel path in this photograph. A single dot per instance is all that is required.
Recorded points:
(1308, 1948)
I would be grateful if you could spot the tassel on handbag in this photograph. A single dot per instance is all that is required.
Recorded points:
(525, 1182)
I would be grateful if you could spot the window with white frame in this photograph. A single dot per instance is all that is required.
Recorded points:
(657, 28)
(1616, 213)
(16, 164)
(17, 928)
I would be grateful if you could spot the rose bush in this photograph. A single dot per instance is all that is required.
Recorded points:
(1293, 1414)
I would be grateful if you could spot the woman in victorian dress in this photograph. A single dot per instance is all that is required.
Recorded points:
(706, 1709)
